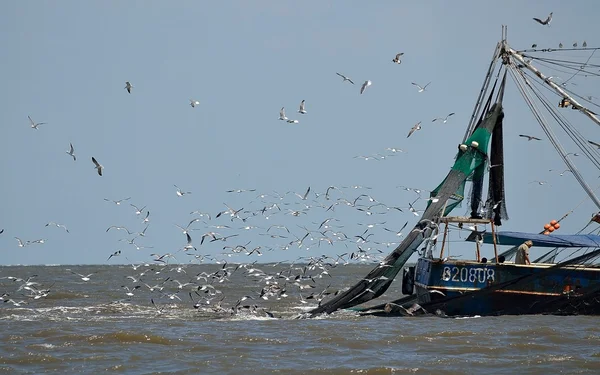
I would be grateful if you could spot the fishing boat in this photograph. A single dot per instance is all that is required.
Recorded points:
(491, 282)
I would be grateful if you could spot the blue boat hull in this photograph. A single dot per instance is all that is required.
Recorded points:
(456, 288)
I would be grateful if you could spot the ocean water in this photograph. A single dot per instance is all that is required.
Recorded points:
(67, 325)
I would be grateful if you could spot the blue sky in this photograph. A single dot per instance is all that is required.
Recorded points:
(66, 63)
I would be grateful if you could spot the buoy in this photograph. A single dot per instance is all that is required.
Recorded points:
(546, 233)
(556, 226)
(474, 144)
(547, 226)
(552, 222)
(463, 147)
(551, 229)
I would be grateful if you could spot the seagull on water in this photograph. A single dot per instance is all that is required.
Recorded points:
(365, 85)
(35, 125)
(194, 103)
(414, 129)
(530, 137)
(544, 22)
(72, 152)
(282, 115)
(397, 58)
(421, 89)
(444, 120)
(99, 166)
(345, 78)
(83, 277)
(128, 87)
(302, 110)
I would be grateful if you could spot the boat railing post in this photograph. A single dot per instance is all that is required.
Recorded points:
(494, 239)
(478, 250)
(444, 241)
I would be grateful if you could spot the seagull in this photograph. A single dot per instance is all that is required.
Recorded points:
(546, 21)
(560, 45)
(539, 182)
(58, 226)
(414, 129)
(21, 244)
(138, 211)
(128, 86)
(345, 78)
(292, 121)
(595, 144)
(397, 58)
(72, 152)
(99, 166)
(365, 85)
(282, 114)
(421, 89)
(444, 120)
(194, 103)
(116, 253)
(118, 203)
(181, 193)
(83, 277)
(302, 110)
(35, 125)
(584, 44)
(529, 137)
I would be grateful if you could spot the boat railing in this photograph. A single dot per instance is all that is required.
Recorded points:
(461, 220)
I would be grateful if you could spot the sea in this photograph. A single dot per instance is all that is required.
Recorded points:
(162, 318)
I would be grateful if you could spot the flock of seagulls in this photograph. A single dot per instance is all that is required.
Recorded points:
(219, 237)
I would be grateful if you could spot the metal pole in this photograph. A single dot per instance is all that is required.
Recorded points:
(549, 82)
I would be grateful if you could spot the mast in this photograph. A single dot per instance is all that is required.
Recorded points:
(548, 81)
(506, 51)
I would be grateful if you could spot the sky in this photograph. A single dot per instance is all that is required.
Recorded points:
(66, 63)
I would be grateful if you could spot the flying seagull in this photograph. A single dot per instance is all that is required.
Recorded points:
(181, 193)
(282, 115)
(302, 110)
(33, 124)
(421, 89)
(99, 166)
(443, 119)
(546, 21)
(292, 121)
(194, 103)
(128, 86)
(397, 58)
(529, 137)
(365, 85)
(414, 129)
(72, 152)
(345, 78)
(595, 144)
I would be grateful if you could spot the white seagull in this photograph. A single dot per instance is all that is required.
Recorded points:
(345, 78)
(58, 225)
(546, 21)
(35, 125)
(128, 87)
(282, 114)
(365, 85)
(72, 152)
(302, 110)
(194, 103)
(99, 166)
(416, 127)
(292, 121)
(181, 193)
(421, 89)
(443, 119)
